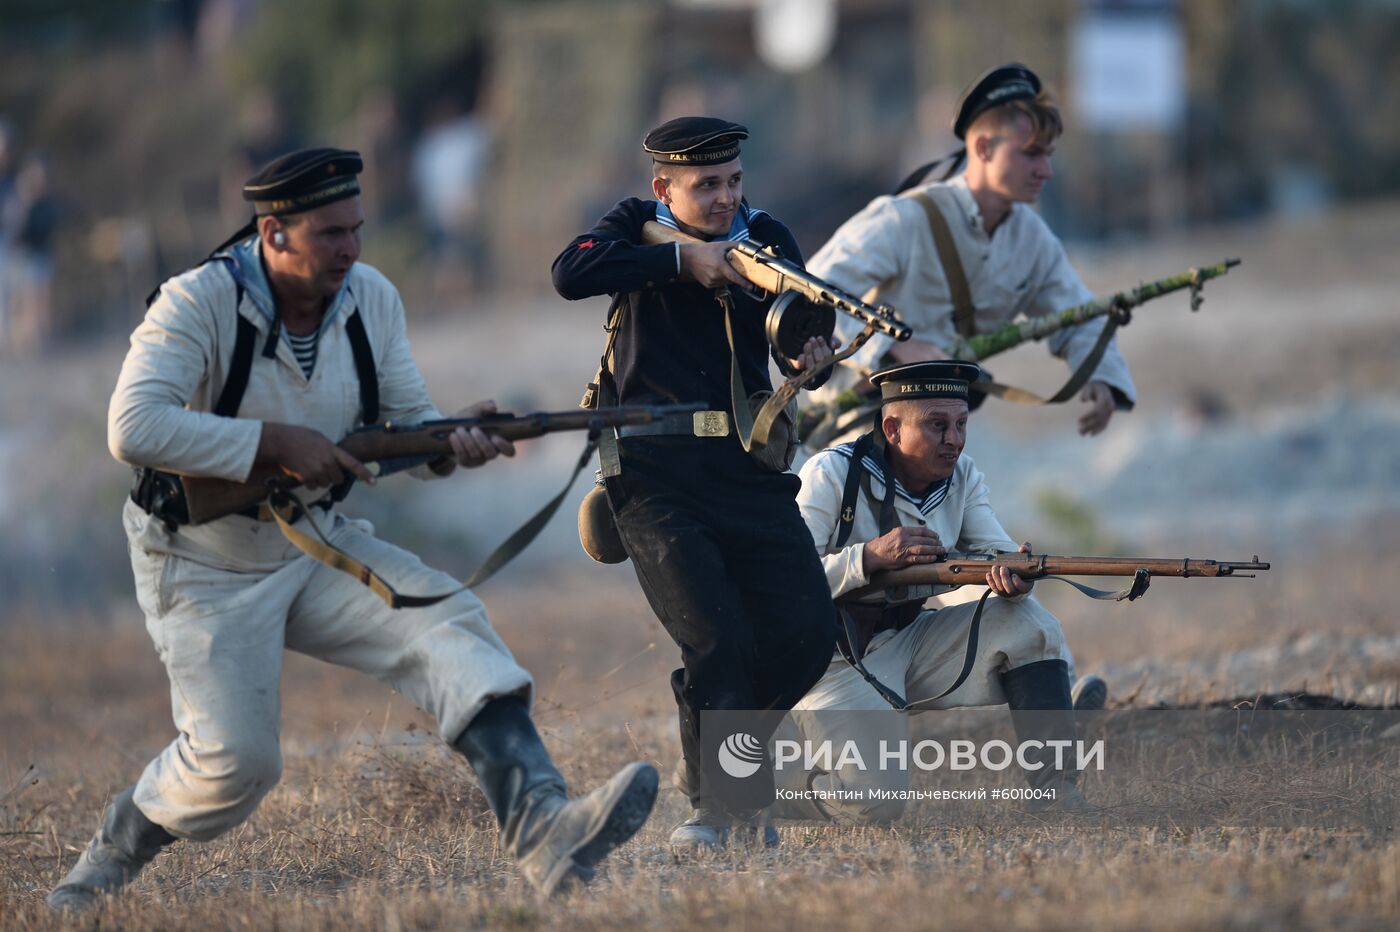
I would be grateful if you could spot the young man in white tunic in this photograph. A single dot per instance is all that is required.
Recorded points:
(224, 599)
(1012, 263)
(939, 503)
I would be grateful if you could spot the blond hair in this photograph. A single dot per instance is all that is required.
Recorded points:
(1044, 116)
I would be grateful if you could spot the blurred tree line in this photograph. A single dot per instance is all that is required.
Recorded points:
(142, 111)
(150, 112)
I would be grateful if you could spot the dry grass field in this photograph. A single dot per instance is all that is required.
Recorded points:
(377, 825)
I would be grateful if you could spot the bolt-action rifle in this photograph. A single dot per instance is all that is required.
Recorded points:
(819, 422)
(972, 569)
(393, 447)
(1010, 335)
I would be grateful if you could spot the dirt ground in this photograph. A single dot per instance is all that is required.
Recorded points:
(376, 825)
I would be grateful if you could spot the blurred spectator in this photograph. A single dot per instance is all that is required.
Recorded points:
(7, 193)
(264, 134)
(448, 169)
(380, 137)
(29, 220)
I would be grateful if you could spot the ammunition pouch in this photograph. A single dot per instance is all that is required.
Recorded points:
(870, 620)
(161, 495)
(779, 449)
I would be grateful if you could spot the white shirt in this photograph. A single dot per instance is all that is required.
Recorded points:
(1020, 269)
(161, 413)
(960, 513)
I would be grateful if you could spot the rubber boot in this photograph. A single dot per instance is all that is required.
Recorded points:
(125, 843)
(1038, 695)
(554, 840)
(1090, 694)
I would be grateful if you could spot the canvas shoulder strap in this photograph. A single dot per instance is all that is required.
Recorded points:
(602, 391)
(231, 395)
(963, 309)
(846, 520)
(364, 368)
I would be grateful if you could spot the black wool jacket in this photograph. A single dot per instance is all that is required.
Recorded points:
(671, 348)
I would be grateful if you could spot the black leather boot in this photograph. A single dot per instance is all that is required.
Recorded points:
(1038, 695)
(125, 843)
(554, 839)
(511, 762)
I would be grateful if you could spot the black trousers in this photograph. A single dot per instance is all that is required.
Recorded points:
(731, 571)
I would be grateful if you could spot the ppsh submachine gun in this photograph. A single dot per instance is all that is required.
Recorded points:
(852, 408)
(270, 494)
(807, 305)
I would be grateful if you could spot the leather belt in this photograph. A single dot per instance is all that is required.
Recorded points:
(264, 513)
(256, 512)
(696, 424)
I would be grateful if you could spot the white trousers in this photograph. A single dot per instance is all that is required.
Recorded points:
(221, 634)
(919, 662)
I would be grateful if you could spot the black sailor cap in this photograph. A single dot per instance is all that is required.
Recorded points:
(695, 141)
(943, 378)
(304, 179)
(1000, 85)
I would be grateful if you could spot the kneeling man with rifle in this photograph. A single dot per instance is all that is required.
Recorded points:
(901, 496)
(253, 362)
(899, 516)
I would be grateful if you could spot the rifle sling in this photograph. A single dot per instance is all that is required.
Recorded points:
(1141, 579)
(1069, 389)
(320, 548)
(847, 420)
(754, 431)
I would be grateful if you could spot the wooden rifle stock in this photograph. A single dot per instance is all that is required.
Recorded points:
(972, 569)
(414, 444)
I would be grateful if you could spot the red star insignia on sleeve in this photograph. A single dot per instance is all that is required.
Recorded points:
(586, 244)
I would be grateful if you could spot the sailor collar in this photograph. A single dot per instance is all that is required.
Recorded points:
(876, 470)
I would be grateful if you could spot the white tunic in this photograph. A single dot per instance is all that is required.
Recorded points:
(959, 512)
(1021, 269)
(920, 662)
(161, 411)
(225, 600)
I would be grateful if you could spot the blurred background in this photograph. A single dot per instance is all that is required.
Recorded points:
(495, 131)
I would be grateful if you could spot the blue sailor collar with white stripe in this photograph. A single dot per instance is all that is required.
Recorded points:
(873, 465)
(738, 227)
(248, 264)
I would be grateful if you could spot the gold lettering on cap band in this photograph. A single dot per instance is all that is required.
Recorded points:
(957, 388)
(719, 155)
(304, 201)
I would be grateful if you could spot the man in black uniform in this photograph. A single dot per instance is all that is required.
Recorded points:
(719, 546)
